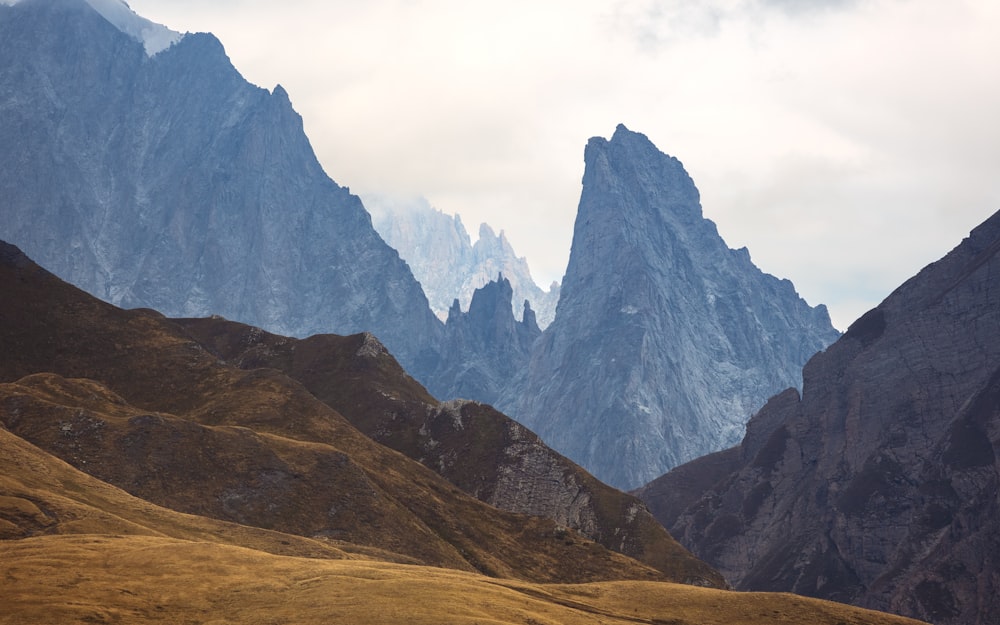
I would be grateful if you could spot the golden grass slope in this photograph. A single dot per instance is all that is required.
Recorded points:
(146, 579)
(78, 550)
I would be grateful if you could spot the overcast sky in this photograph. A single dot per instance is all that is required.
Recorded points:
(847, 143)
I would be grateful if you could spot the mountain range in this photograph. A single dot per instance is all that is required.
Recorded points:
(136, 400)
(168, 181)
(254, 466)
(156, 176)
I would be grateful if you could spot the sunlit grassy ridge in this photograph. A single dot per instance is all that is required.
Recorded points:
(143, 579)
(42, 495)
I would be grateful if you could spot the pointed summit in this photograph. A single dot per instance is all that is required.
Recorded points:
(665, 341)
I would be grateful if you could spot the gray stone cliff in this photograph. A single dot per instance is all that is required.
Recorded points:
(880, 484)
(665, 341)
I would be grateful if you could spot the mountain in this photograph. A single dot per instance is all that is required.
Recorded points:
(878, 484)
(151, 174)
(250, 499)
(665, 340)
(448, 266)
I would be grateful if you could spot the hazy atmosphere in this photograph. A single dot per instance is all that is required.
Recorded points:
(847, 143)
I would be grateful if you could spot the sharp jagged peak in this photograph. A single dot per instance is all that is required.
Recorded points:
(664, 310)
(658, 182)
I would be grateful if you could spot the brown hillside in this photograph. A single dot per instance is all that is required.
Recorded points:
(74, 549)
(475, 447)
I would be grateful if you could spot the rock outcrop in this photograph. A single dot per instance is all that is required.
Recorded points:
(879, 485)
(665, 341)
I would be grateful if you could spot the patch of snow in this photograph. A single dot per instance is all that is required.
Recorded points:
(154, 37)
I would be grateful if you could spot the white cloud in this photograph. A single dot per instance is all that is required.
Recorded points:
(846, 142)
(154, 37)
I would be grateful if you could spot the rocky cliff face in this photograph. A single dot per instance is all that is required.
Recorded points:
(879, 484)
(665, 341)
(168, 181)
(448, 266)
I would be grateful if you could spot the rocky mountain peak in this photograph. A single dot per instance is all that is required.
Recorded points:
(665, 341)
(488, 301)
(528, 318)
(491, 321)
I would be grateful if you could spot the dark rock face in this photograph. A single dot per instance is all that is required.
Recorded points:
(170, 182)
(665, 341)
(879, 486)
